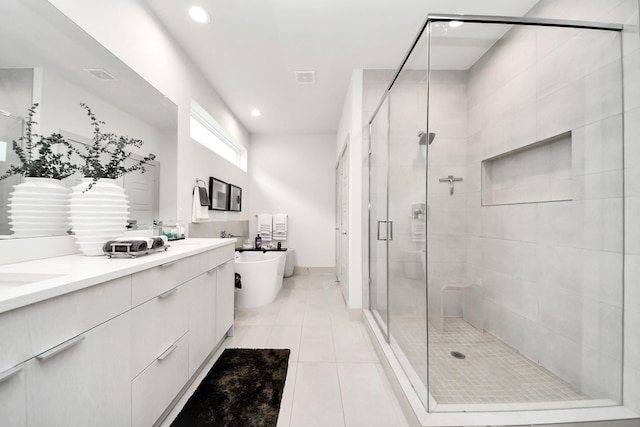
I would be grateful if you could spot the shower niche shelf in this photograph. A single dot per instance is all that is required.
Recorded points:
(536, 173)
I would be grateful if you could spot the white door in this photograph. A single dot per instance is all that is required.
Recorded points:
(342, 221)
(338, 210)
(141, 188)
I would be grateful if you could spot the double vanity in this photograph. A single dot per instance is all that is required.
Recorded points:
(110, 342)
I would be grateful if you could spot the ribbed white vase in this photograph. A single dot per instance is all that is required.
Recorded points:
(39, 207)
(98, 215)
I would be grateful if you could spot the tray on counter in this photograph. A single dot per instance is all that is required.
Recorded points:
(135, 254)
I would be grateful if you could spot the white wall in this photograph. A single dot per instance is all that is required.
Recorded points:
(130, 31)
(16, 96)
(351, 127)
(63, 112)
(295, 174)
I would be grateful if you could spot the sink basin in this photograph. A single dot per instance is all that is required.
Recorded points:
(9, 280)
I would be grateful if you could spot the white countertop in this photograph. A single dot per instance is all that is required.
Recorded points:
(73, 272)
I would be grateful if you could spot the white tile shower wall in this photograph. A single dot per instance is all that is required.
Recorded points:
(631, 336)
(544, 294)
(627, 12)
(536, 174)
(447, 226)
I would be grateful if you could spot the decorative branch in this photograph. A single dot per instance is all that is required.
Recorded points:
(38, 158)
(111, 146)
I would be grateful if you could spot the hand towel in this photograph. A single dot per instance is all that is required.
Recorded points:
(204, 197)
(280, 227)
(264, 228)
(199, 213)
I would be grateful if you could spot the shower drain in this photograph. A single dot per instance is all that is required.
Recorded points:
(458, 355)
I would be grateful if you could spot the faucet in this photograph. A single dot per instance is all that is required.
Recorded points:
(224, 234)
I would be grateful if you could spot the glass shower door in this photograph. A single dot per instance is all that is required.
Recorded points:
(409, 139)
(379, 227)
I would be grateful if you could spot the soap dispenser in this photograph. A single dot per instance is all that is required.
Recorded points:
(258, 241)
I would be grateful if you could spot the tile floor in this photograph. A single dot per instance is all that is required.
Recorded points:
(334, 377)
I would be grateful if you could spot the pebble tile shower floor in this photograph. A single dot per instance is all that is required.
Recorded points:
(491, 371)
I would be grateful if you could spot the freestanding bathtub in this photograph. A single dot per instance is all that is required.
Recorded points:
(261, 275)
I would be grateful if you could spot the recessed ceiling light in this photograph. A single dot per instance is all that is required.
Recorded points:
(199, 15)
(455, 24)
(256, 113)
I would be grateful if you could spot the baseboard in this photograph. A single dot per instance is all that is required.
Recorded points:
(394, 373)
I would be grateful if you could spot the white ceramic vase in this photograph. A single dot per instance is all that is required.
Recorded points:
(98, 215)
(39, 207)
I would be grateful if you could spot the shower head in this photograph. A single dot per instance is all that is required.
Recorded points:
(423, 138)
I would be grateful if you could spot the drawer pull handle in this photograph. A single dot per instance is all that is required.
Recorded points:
(167, 353)
(213, 270)
(168, 293)
(167, 264)
(9, 373)
(60, 348)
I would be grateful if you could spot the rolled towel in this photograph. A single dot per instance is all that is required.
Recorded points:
(148, 240)
(158, 242)
(125, 246)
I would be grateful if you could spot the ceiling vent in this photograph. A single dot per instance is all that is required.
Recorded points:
(305, 77)
(101, 74)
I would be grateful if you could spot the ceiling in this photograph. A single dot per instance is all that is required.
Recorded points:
(251, 50)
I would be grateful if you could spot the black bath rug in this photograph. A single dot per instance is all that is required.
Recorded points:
(243, 388)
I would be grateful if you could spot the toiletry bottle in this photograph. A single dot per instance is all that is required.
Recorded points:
(258, 242)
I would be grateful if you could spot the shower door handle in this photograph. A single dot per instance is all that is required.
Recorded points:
(387, 230)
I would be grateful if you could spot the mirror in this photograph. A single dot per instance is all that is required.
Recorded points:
(46, 58)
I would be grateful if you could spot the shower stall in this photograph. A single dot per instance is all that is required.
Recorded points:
(496, 213)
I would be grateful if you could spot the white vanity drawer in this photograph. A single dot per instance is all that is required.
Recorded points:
(85, 381)
(56, 320)
(156, 325)
(154, 389)
(15, 342)
(152, 282)
(13, 396)
(218, 256)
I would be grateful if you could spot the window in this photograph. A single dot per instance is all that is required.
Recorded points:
(208, 132)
